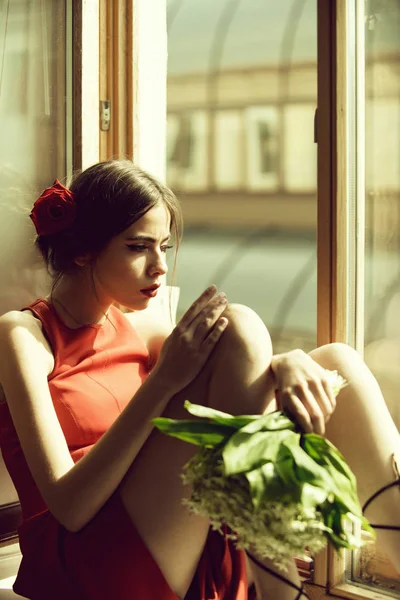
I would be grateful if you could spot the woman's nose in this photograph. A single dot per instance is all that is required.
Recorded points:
(159, 266)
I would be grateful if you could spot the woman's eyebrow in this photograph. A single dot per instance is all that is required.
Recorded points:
(145, 238)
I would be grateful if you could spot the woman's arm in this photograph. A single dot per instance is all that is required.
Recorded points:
(303, 389)
(75, 493)
(153, 329)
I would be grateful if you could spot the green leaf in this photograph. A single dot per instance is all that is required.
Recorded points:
(257, 485)
(266, 485)
(344, 491)
(307, 470)
(326, 476)
(285, 470)
(334, 464)
(246, 450)
(367, 528)
(204, 412)
(319, 447)
(312, 496)
(276, 421)
(201, 433)
(333, 519)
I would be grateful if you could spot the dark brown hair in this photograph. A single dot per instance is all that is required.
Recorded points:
(110, 197)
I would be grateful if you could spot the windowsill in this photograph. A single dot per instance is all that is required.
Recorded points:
(344, 590)
(10, 558)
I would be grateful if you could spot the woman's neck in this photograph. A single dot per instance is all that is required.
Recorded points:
(75, 299)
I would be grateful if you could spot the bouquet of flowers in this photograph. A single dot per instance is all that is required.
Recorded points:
(279, 491)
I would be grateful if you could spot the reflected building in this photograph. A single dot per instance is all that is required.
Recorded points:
(242, 155)
(241, 110)
(242, 96)
(249, 157)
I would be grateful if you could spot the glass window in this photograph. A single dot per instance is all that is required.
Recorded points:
(229, 156)
(241, 156)
(187, 150)
(377, 68)
(36, 140)
(382, 198)
(262, 145)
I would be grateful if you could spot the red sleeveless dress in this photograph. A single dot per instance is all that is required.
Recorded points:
(97, 370)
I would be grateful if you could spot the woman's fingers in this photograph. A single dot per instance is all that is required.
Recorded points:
(206, 320)
(215, 334)
(328, 389)
(305, 410)
(304, 390)
(310, 404)
(296, 409)
(315, 411)
(323, 393)
(200, 319)
(197, 306)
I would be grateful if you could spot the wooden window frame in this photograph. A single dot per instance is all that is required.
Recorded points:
(336, 323)
(133, 77)
(116, 77)
(109, 63)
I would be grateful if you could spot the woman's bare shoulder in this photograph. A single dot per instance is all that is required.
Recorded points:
(21, 328)
(13, 319)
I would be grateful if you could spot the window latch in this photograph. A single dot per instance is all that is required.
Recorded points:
(105, 115)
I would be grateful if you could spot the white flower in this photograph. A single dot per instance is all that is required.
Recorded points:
(275, 530)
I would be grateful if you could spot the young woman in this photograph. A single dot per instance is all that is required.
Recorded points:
(100, 489)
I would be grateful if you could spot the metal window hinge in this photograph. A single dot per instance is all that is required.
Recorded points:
(105, 115)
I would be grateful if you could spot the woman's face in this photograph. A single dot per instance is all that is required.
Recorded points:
(129, 270)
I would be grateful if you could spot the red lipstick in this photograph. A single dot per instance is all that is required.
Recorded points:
(150, 291)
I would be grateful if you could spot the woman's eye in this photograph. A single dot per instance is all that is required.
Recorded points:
(137, 248)
(144, 248)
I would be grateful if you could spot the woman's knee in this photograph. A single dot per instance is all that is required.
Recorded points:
(246, 333)
(337, 356)
(240, 379)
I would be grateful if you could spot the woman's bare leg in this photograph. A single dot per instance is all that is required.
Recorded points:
(363, 430)
(152, 492)
(234, 380)
(269, 587)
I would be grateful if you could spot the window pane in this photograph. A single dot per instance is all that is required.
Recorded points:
(228, 150)
(241, 156)
(379, 66)
(35, 141)
(382, 182)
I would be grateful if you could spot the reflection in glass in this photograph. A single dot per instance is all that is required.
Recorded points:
(241, 156)
(262, 145)
(381, 69)
(33, 133)
(382, 158)
(33, 143)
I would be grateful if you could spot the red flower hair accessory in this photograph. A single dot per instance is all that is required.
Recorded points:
(54, 210)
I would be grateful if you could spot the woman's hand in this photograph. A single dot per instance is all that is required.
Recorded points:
(303, 390)
(187, 349)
